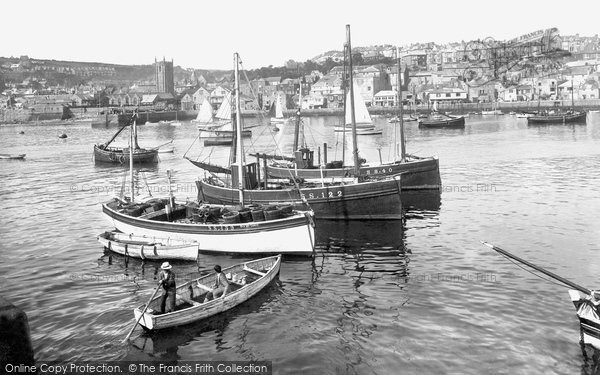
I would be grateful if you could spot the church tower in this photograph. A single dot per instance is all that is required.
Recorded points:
(164, 76)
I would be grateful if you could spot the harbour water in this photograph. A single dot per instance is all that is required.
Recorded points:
(420, 295)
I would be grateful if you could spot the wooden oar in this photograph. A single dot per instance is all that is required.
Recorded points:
(143, 311)
(538, 268)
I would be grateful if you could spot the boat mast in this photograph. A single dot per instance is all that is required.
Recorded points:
(238, 129)
(400, 113)
(572, 97)
(344, 92)
(297, 128)
(131, 141)
(352, 114)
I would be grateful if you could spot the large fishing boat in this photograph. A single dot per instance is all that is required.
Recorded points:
(216, 228)
(417, 172)
(354, 198)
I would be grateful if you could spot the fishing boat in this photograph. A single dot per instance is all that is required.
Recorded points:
(120, 155)
(205, 119)
(525, 114)
(217, 228)
(438, 120)
(276, 111)
(13, 156)
(557, 117)
(417, 172)
(357, 197)
(245, 281)
(151, 248)
(363, 122)
(586, 301)
(221, 133)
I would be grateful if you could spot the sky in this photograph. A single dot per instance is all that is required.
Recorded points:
(204, 34)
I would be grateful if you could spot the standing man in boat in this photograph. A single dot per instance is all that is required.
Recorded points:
(221, 285)
(167, 280)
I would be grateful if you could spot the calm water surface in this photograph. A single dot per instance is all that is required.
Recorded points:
(415, 296)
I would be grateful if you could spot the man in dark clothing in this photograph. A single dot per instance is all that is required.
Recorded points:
(167, 280)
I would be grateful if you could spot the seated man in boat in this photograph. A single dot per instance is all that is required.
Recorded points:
(221, 285)
(167, 280)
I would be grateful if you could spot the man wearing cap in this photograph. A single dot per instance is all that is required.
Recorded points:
(221, 285)
(167, 280)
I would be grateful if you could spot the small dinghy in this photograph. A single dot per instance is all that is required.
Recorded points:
(245, 281)
(12, 156)
(152, 248)
(62, 136)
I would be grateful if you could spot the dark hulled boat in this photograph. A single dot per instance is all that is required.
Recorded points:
(355, 198)
(437, 120)
(558, 118)
(121, 155)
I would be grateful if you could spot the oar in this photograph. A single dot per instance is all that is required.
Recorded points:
(538, 268)
(143, 311)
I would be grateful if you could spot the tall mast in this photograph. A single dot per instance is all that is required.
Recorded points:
(352, 114)
(238, 129)
(131, 142)
(344, 92)
(297, 128)
(572, 97)
(400, 111)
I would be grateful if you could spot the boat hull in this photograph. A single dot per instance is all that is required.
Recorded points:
(557, 119)
(13, 156)
(191, 292)
(450, 122)
(291, 235)
(147, 247)
(115, 155)
(589, 319)
(416, 174)
(373, 200)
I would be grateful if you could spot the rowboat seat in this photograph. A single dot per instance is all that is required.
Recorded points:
(203, 287)
(187, 300)
(248, 269)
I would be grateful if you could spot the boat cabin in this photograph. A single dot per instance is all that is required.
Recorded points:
(250, 175)
(304, 158)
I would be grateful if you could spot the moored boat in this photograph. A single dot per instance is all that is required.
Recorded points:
(152, 248)
(121, 155)
(442, 121)
(13, 156)
(557, 117)
(245, 281)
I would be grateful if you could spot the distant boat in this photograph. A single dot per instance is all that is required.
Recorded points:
(277, 111)
(176, 122)
(525, 114)
(166, 149)
(364, 123)
(437, 120)
(557, 117)
(152, 248)
(121, 155)
(63, 135)
(12, 156)
(205, 119)
(207, 123)
(245, 281)
(21, 132)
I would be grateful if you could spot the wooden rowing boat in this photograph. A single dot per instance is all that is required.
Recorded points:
(245, 281)
(152, 248)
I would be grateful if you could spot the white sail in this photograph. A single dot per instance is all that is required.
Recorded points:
(205, 115)
(224, 112)
(361, 113)
(279, 107)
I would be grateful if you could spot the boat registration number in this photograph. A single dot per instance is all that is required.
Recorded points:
(379, 171)
(330, 194)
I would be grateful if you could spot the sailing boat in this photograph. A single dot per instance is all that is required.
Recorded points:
(176, 122)
(218, 228)
(350, 198)
(205, 119)
(277, 111)
(120, 155)
(417, 172)
(364, 123)
(222, 134)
